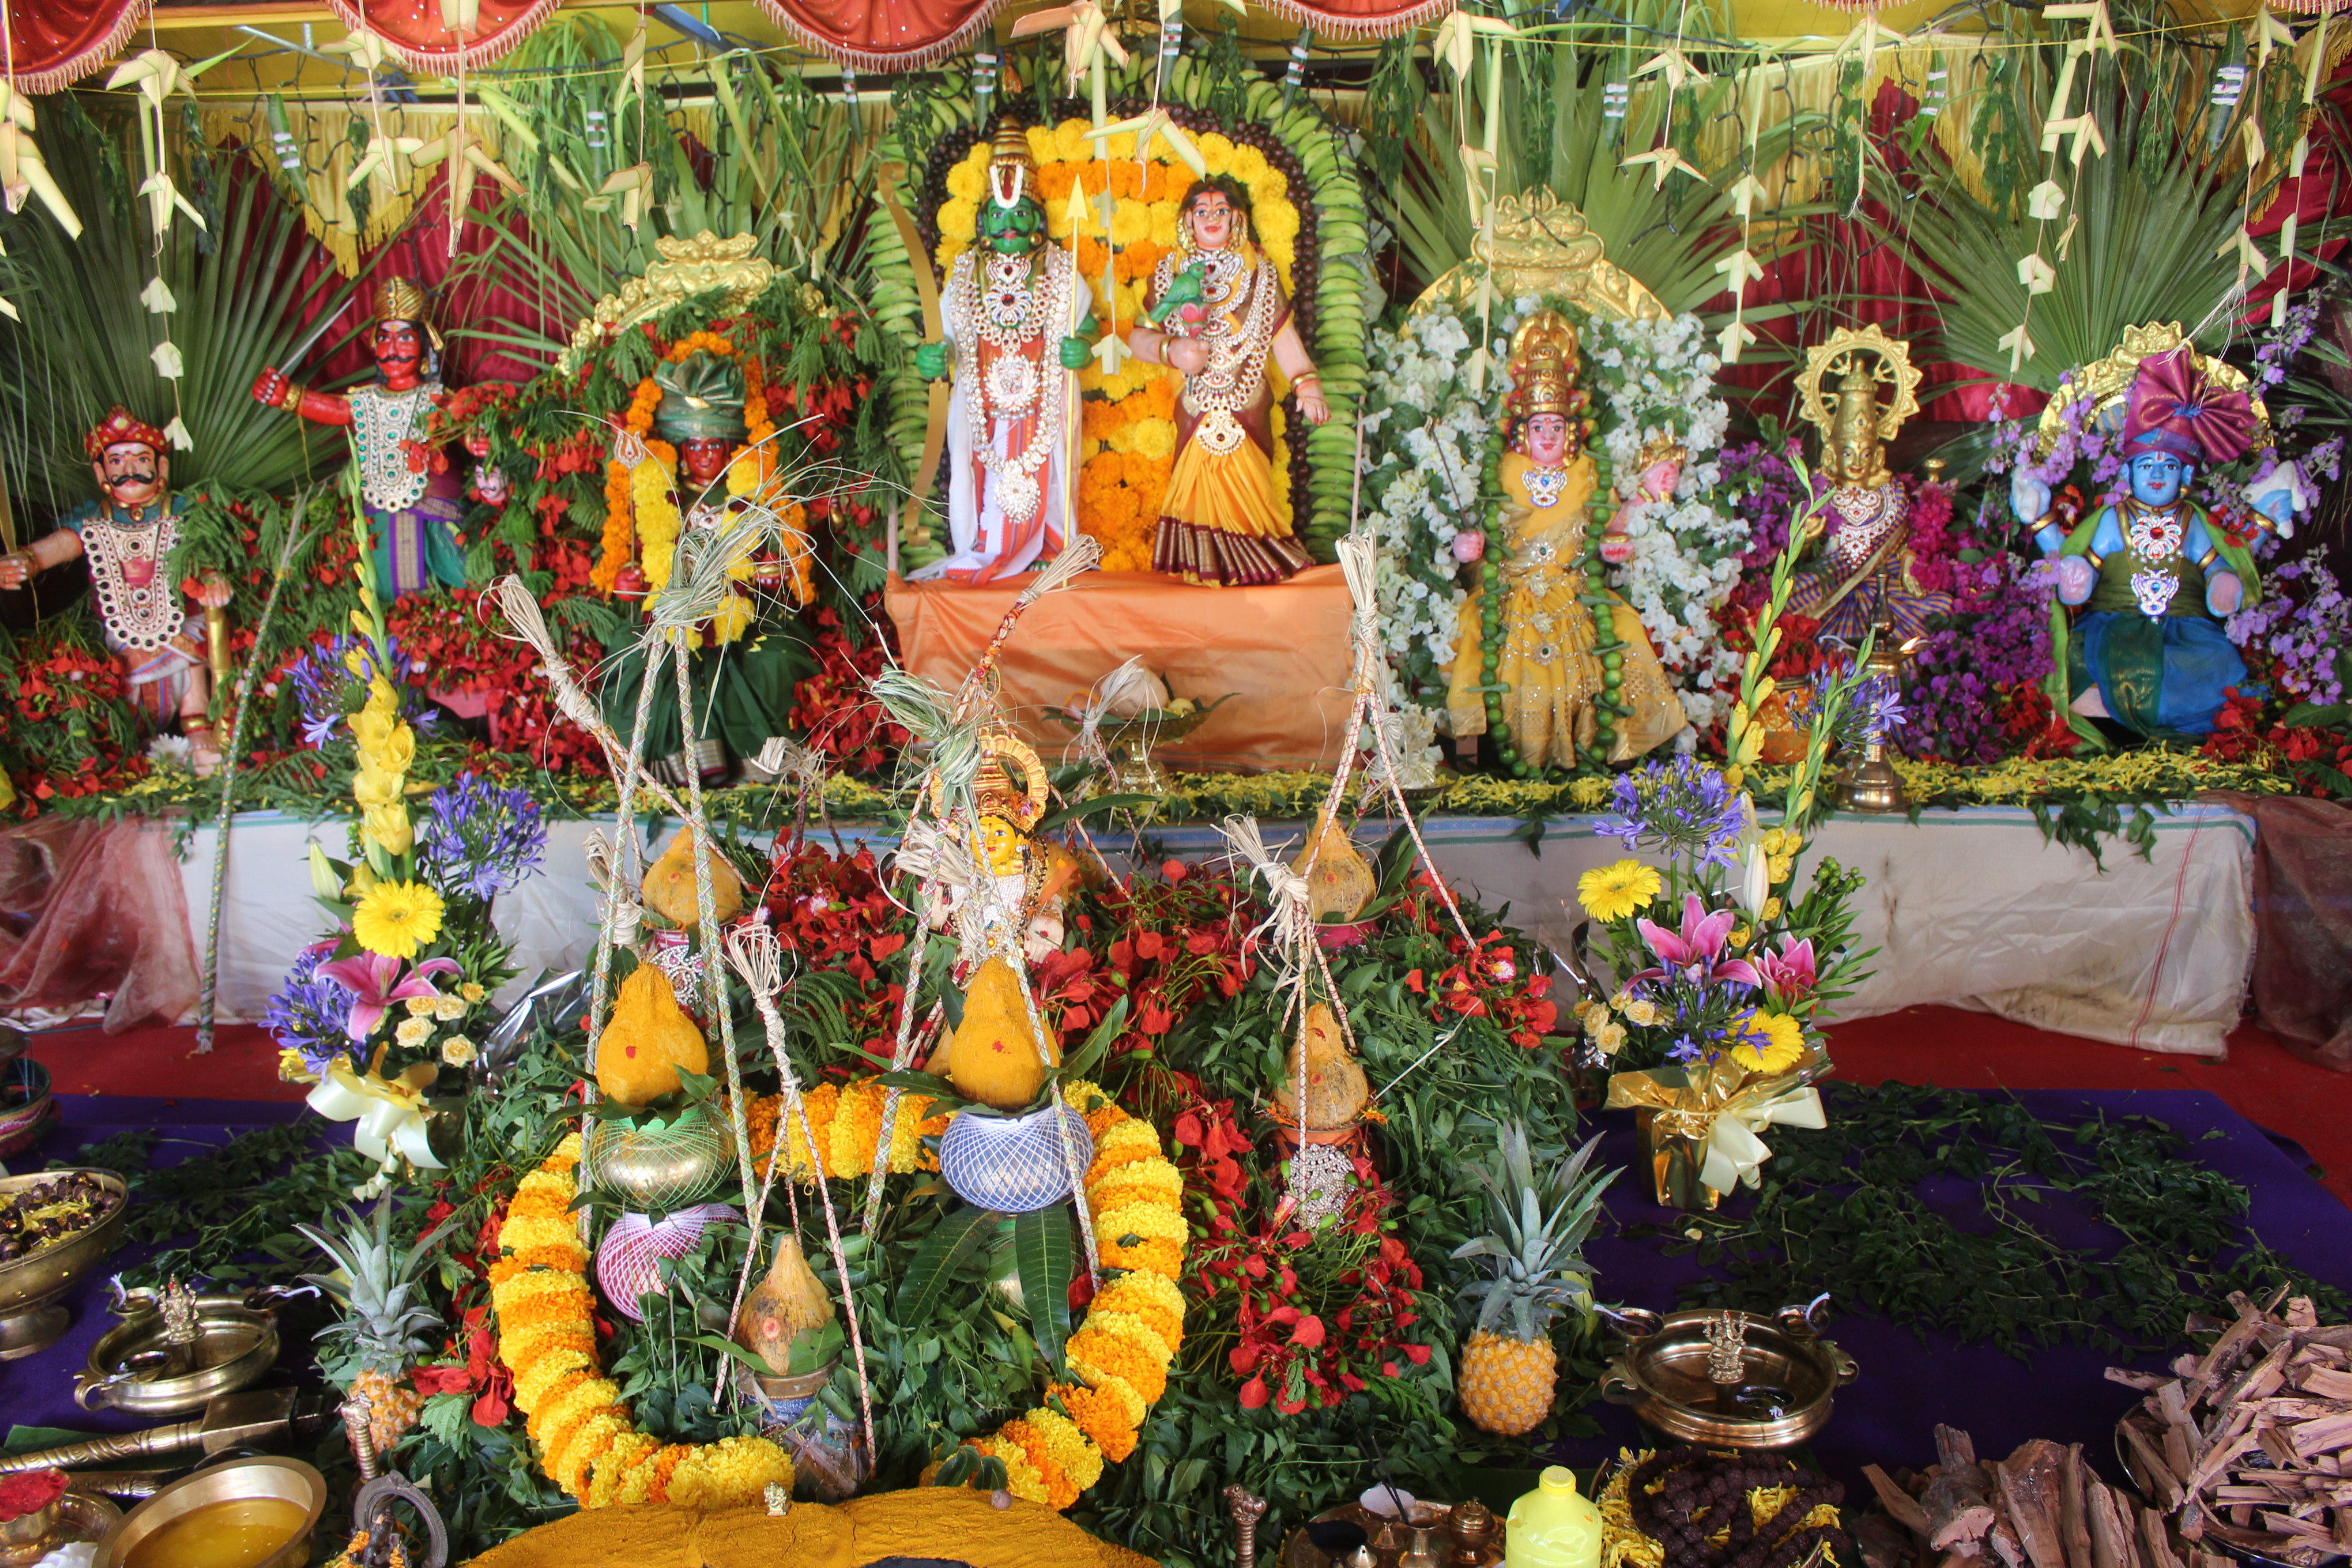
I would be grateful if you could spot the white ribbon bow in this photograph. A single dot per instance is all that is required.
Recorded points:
(1735, 1153)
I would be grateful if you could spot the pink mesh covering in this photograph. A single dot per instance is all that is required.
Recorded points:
(2303, 924)
(95, 909)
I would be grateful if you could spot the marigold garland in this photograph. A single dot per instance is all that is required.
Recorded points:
(1130, 426)
(588, 1442)
(1132, 1330)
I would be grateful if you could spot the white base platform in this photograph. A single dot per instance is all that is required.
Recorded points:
(1973, 909)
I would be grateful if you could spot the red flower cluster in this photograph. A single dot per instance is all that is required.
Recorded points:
(1488, 980)
(830, 912)
(834, 709)
(2240, 735)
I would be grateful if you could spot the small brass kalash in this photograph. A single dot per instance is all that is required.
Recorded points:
(1728, 1379)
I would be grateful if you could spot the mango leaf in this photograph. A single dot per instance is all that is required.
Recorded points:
(1042, 1257)
(1062, 817)
(1082, 1062)
(945, 1250)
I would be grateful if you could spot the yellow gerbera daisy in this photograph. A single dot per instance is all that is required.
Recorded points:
(395, 918)
(1770, 1043)
(1614, 892)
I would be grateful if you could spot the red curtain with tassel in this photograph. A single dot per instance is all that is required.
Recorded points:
(49, 45)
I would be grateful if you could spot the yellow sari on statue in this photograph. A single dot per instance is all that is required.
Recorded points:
(1546, 662)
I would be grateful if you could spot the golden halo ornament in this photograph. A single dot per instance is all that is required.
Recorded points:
(2102, 387)
(1891, 367)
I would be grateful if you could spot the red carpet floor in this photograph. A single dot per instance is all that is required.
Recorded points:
(2261, 1081)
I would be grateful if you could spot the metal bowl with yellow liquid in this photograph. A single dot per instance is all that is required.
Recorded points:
(246, 1513)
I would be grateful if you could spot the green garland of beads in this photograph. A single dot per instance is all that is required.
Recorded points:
(1607, 707)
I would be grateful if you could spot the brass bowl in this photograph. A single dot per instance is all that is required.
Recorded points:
(29, 1321)
(292, 1479)
(73, 1519)
(1788, 1379)
(657, 1169)
(238, 1348)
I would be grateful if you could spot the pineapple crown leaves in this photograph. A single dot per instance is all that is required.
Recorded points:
(385, 1317)
(1540, 1226)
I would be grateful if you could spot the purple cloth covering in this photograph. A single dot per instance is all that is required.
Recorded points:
(39, 1390)
(1888, 1416)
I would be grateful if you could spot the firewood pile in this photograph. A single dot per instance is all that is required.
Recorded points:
(2251, 1443)
(2042, 1506)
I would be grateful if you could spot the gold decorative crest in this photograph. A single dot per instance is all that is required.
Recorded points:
(1840, 356)
(2103, 385)
(686, 268)
(1540, 245)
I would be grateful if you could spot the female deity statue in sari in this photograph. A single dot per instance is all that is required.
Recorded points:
(2151, 576)
(156, 632)
(1550, 673)
(1217, 316)
(412, 505)
(1863, 576)
(743, 664)
(1016, 324)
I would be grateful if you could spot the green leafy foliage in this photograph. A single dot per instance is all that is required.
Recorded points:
(1842, 1210)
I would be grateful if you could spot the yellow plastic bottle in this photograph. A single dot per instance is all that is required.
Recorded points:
(1554, 1526)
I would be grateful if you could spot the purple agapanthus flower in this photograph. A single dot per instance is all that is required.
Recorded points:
(308, 1013)
(328, 690)
(479, 838)
(1681, 807)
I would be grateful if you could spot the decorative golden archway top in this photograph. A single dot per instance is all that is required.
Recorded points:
(1840, 358)
(1540, 245)
(686, 268)
(2104, 386)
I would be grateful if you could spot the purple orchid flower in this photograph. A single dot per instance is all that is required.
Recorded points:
(1789, 974)
(1693, 953)
(370, 977)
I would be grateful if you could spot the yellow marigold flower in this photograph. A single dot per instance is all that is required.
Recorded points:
(1132, 1328)
(1770, 1043)
(1124, 1143)
(1094, 1355)
(1152, 1222)
(537, 1230)
(730, 1473)
(1133, 1292)
(734, 617)
(1069, 1446)
(395, 918)
(817, 1105)
(1021, 1476)
(568, 1467)
(1151, 1255)
(1614, 892)
(611, 1468)
(1140, 1179)
(1103, 1415)
(967, 182)
(958, 216)
(857, 1129)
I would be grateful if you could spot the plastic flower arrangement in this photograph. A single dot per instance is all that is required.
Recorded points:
(414, 958)
(1720, 968)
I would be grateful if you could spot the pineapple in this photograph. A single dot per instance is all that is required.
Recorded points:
(386, 1321)
(1509, 1370)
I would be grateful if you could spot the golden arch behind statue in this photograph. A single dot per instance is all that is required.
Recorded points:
(1540, 245)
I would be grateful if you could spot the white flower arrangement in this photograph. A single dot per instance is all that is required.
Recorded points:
(1426, 433)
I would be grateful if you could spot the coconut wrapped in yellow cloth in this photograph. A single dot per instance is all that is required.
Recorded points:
(994, 1057)
(648, 1039)
(936, 1522)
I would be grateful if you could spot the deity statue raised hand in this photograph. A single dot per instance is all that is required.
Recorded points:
(745, 661)
(1217, 315)
(1017, 322)
(412, 503)
(1863, 576)
(2151, 576)
(155, 629)
(1546, 665)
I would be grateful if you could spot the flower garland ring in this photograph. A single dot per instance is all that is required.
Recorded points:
(588, 1441)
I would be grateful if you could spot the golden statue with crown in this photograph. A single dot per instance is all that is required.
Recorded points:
(1545, 668)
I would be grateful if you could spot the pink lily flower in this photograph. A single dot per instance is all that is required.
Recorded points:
(1693, 952)
(370, 976)
(1789, 974)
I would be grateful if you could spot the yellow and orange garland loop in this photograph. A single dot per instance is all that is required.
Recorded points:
(1120, 1354)
(640, 517)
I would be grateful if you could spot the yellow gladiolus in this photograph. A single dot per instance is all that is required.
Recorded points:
(388, 827)
(374, 787)
(372, 726)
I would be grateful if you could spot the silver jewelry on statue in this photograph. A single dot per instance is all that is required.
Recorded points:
(1320, 1177)
(2155, 538)
(1018, 305)
(382, 423)
(1545, 485)
(1239, 305)
(144, 615)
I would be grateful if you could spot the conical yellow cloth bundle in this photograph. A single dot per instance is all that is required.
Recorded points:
(788, 1302)
(1337, 1089)
(994, 1057)
(648, 1040)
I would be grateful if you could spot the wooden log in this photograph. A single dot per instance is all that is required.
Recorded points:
(2155, 1471)
(2145, 1382)
(1900, 1504)
(2106, 1522)
(2158, 1539)
(2007, 1549)
(1884, 1543)
(1954, 1449)
(2073, 1520)
(1954, 1512)
(2027, 1484)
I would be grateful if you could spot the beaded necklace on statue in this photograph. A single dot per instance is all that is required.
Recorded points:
(2155, 539)
(145, 614)
(382, 423)
(1237, 323)
(1017, 303)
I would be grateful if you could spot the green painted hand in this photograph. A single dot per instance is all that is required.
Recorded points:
(931, 361)
(1075, 351)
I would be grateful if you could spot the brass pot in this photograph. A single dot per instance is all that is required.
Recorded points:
(238, 1345)
(290, 1480)
(1776, 1379)
(655, 1170)
(30, 1319)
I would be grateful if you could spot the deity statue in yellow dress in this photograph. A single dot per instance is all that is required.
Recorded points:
(1542, 681)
